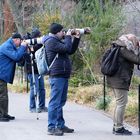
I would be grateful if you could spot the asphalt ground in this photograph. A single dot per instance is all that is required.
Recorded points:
(89, 124)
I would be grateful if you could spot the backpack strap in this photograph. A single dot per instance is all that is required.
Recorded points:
(56, 56)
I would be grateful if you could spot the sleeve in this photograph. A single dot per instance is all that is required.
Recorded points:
(74, 45)
(130, 56)
(14, 54)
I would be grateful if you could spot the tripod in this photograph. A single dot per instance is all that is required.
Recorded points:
(33, 76)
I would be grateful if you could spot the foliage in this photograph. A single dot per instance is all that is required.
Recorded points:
(52, 13)
(100, 102)
(105, 27)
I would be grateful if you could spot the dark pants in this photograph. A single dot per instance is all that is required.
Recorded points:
(3, 98)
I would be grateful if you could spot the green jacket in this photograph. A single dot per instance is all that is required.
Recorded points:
(122, 79)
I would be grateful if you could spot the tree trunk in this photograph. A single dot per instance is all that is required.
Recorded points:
(16, 9)
(1, 19)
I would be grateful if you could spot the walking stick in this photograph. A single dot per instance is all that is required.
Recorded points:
(139, 110)
(139, 104)
(104, 91)
(33, 75)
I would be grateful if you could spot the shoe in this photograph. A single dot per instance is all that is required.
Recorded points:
(33, 110)
(9, 117)
(67, 130)
(122, 131)
(113, 131)
(3, 119)
(45, 109)
(55, 131)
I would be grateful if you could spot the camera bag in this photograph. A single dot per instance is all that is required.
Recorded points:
(109, 63)
(41, 61)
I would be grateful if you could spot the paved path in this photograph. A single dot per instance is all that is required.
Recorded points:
(88, 123)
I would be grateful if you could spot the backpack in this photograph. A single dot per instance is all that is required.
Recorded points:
(109, 63)
(41, 61)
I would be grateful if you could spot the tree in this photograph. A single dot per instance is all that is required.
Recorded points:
(16, 9)
(1, 18)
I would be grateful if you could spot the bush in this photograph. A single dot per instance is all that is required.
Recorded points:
(100, 102)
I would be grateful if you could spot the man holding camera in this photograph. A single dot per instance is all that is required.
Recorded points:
(59, 75)
(39, 80)
(11, 52)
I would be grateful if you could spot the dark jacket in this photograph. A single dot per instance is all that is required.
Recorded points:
(122, 79)
(27, 59)
(62, 65)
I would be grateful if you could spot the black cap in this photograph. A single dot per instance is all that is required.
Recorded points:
(35, 33)
(16, 35)
(55, 28)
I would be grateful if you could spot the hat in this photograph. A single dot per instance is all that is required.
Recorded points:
(35, 33)
(17, 35)
(55, 28)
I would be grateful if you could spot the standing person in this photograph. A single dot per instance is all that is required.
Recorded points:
(59, 75)
(120, 82)
(39, 80)
(11, 52)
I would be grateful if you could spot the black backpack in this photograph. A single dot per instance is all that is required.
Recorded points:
(109, 63)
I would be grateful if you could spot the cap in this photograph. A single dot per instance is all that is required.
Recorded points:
(55, 28)
(35, 32)
(17, 35)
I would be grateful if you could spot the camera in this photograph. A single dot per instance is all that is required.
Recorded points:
(82, 31)
(33, 41)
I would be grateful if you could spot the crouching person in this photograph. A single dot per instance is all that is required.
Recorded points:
(11, 52)
(120, 82)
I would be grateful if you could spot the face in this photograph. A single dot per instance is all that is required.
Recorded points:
(17, 42)
(61, 34)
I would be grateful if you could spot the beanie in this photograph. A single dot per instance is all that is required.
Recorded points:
(55, 28)
(16, 35)
(35, 33)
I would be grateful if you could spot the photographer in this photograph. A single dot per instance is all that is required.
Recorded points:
(120, 82)
(11, 51)
(59, 75)
(39, 80)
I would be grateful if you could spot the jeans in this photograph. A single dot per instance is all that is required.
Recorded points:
(58, 97)
(40, 90)
(121, 97)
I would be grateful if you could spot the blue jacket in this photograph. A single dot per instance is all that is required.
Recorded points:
(9, 55)
(62, 65)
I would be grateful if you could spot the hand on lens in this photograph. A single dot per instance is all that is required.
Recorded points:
(77, 34)
(69, 32)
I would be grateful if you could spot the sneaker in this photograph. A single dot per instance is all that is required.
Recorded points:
(33, 110)
(9, 117)
(122, 131)
(45, 109)
(67, 130)
(4, 119)
(55, 131)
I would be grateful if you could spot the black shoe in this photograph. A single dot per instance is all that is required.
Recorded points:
(9, 117)
(67, 130)
(4, 119)
(122, 131)
(113, 131)
(55, 131)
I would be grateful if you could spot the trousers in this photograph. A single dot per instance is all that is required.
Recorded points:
(121, 97)
(3, 98)
(58, 97)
